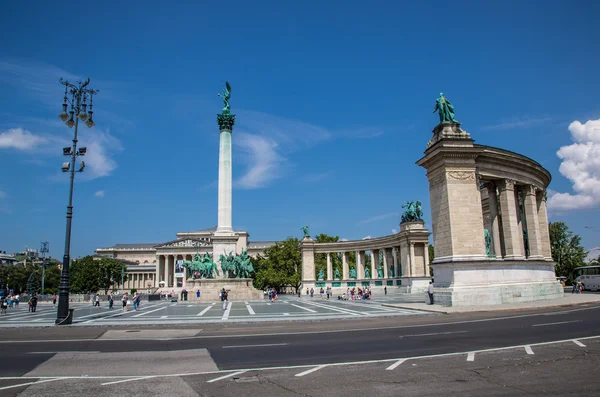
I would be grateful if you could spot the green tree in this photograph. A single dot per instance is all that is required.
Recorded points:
(280, 266)
(567, 251)
(110, 272)
(85, 276)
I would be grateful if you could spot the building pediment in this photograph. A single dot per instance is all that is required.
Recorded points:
(185, 243)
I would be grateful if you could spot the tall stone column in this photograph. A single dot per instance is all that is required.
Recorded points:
(374, 263)
(543, 224)
(329, 267)
(345, 267)
(405, 260)
(224, 240)
(360, 264)
(387, 261)
(495, 232)
(510, 227)
(520, 220)
(397, 265)
(533, 224)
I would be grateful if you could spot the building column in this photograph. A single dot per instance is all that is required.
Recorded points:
(374, 263)
(360, 264)
(533, 223)
(510, 227)
(386, 261)
(397, 266)
(404, 260)
(345, 267)
(307, 246)
(520, 220)
(329, 267)
(495, 232)
(413, 264)
(543, 225)
(426, 258)
(170, 271)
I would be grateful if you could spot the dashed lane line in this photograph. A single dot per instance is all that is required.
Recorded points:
(225, 376)
(471, 356)
(335, 309)
(203, 312)
(558, 323)
(394, 365)
(433, 333)
(262, 345)
(578, 343)
(528, 349)
(304, 308)
(126, 380)
(31, 383)
(311, 370)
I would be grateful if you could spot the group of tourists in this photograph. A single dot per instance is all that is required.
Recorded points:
(272, 295)
(357, 294)
(13, 300)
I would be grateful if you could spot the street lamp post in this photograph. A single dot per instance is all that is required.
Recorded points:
(79, 96)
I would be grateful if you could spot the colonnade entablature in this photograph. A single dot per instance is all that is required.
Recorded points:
(394, 260)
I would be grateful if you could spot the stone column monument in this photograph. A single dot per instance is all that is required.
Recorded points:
(224, 240)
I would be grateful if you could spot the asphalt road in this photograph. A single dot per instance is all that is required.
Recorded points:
(235, 354)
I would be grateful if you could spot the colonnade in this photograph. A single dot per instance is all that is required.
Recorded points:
(398, 261)
(140, 280)
(519, 227)
(165, 270)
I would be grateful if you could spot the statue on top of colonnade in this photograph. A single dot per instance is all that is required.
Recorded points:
(305, 231)
(444, 109)
(413, 211)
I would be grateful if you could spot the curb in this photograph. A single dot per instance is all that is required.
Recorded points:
(397, 306)
(491, 309)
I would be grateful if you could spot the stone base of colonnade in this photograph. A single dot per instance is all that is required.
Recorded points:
(494, 282)
(238, 289)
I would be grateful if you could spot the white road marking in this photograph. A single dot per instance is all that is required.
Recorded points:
(250, 310)
(578, 343)
(304, 308)
(227, 310)
(528, 349)
(268, 304)
(245, 302)
(434, 333)
(263, 345)
(190, 305)
(205, 310)
(286, 314)
(558, 323)
(126, 380)
(151, 311)
(471, 356)
(225, 376)
(394, 365)
(68, 352)
(164, 316)
(311, 370)
(30, 383)
(335, 309)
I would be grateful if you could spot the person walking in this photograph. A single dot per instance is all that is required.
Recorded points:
(34, 302)
(110, 301)
(224, 298)
(385, 290)
(198, 295)
(54, 300)
(97, 300)
(430, 292)
(124, 299)
(3, 306)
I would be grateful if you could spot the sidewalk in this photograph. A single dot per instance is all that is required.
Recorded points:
(568, 300)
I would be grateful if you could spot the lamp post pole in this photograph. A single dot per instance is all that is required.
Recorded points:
(79, 94)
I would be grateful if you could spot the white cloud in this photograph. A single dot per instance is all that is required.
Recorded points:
(394, 231)
(581, 165)
(99, 193)
(260, 153)
(19, 138)
(2, 194)
(378, 218)
(101, 146)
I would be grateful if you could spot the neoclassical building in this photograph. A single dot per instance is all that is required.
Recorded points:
(154, 265)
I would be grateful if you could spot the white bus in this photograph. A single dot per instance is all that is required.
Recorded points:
(589, 276)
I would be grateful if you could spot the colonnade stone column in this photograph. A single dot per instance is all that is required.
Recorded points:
(374, 262)
(307, 245)
(360, 264)
(329, 267)
(533, 223)
(543, 224)
(495, 221)
(345, 267)
(510, 227)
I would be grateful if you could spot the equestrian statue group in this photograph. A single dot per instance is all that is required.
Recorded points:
(238, 266)
(413, 211)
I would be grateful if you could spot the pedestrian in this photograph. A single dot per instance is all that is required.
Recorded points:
(224, 298)
(385, 290)
(306, 291)
(198, 295)
(34, 302)
(97, 300)
(312, 292)
(3, 306)
(327, 293)
(136, 302)
(110, 301)
(16, 299)
(54, 300)
(124, 299)
(321, 292)
(430, 292)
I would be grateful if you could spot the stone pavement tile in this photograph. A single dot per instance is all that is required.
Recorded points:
(150, 333)
(126, 363)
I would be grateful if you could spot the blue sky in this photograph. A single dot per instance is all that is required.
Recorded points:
(333, 102)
